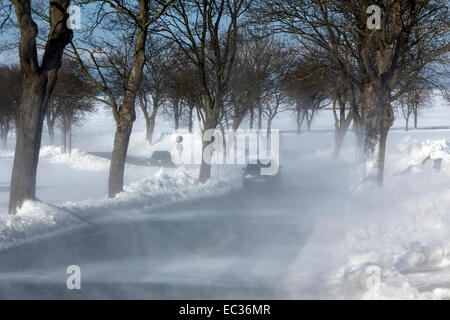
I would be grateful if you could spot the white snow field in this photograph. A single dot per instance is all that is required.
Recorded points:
(323, 236)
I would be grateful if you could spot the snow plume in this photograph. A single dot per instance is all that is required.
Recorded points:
(407, 238)
(36, 220)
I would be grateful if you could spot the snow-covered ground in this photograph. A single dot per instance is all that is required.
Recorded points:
(73, 187)
(401, 232)
(389, 242)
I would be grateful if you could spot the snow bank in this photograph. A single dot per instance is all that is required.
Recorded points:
(382, 243)
(33, 221)
(411, 152)
(36, 220)
(402, 230)
(77, 159)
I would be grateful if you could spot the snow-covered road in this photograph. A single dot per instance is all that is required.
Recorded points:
(317, 237)
(201, 249)
(238, 245)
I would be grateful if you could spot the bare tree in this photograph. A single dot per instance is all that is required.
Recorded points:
(137, 18)
(259, 62)
(207, 33)
(379, 55)
(174, 109)
(71, 112)
(239, 99)
(50, 119)
(308, 87)
(159, 64)
(250, 80)
(183, 92)
(276, 100)
(188, 84)
(39, 78)
(384, 54)
(313, 24)
(412, 102)
(71, 101)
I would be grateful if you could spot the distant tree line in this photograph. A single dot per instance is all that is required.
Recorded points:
(220, 64)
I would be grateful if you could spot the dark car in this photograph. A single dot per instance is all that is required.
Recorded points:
(161, 159)
(253, 178)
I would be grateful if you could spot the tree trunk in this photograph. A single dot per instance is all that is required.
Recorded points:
(259, 118)
(379, 117)
(190, 123)
(341, 124)
(358, 127)
(252, 117)
(237, 120)
(339, 136)
(38, 84)
(415, 118)
(150, 127)
(50, 119)
(176, 114)
(150, 122)
(269, 129)
(407, 122)
(358, 122)
(119, 154)
(4, 133)
(126, 114)
(210, 125)
(309, 119)
(64, 139)
(70, 136)
(205, 168)
(224, 143)
(149, 119)
(300, 119)
(65, 127)
(176, 122)
(23, 179)
(51, 130)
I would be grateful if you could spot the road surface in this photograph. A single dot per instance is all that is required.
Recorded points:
(237, 246)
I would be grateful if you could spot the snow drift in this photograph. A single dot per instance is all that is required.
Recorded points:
(77, 159)
(37, 219)
(408, 237)
(381, 243)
